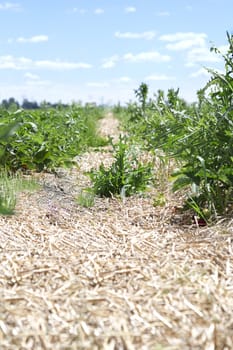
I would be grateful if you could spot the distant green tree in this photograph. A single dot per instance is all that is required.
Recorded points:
(29, 104)
(10, 104)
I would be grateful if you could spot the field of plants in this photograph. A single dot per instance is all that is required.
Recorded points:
(116, 223)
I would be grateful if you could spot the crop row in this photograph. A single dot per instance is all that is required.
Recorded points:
(47, 138)
(197, 136)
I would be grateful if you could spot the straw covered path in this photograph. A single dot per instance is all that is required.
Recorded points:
(120, 275)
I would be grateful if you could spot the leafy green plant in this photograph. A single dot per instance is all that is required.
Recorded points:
(49, 137)
(7, 191)
(198, 136)
(157, 122)
(126, 176)
(6, 131)
(207, 148)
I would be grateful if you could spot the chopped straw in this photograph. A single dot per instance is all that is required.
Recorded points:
(116, 276)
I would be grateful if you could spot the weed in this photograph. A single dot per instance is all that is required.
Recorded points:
(198, 136)
(86, 198)
(127, 175)
(208, 146)
(10, 186)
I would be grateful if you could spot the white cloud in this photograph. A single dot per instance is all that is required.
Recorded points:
(31, 76)
(159, 77)
(194, 43)
(186, 44)
(130, 9)
(81, 11)
(223, 49)
(23, 63)
(150, 56)
(200, 55)
(10, 62)
(33, 39)
(180, 36)
(34, 80)
(149, 35)
(200, 72)
(10, 6)
(98, 11)
(204, 72)
(110, 62)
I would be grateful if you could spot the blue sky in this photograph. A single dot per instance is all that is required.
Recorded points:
(101, 50)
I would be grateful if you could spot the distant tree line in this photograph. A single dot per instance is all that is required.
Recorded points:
(12, 104)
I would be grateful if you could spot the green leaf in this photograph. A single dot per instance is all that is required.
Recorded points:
(181, 182)
(8, 130)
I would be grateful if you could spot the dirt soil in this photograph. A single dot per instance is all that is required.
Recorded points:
(120, 275)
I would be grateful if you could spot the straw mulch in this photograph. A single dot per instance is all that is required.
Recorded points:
(120, 275)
